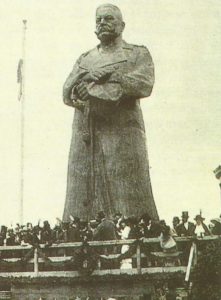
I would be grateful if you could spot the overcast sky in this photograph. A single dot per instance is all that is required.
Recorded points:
(182, 116)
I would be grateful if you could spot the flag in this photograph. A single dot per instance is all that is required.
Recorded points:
(20, 78)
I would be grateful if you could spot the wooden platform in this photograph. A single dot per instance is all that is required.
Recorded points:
(60, 284)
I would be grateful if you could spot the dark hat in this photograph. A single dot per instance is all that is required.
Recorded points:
(145, 217)
(36, 229)
(185, 214)
(216, 220)
(162, 222)
(199, 217)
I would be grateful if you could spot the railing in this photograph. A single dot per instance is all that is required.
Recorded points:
(99, 258)
(5, 295)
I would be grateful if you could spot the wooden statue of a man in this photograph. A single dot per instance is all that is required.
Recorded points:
(108, 164)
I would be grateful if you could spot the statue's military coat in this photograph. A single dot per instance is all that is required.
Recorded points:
(108, 164)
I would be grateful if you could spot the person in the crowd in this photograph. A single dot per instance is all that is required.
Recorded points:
(169, 247)
(167, 242)
(155, 229)
(10, 238)
(38, 226)
(74, 230)
(216, 226)
(105, 230)
(117, 219)
(57, 231)
(3, 234)
(92, 225)
(185, 228)
(63, 233)
(30, 232)
(29, 226)
(200, 228)
(125, 226)
(176, 222)
(34, 237)
(149, 228)
(25, 237)
(84, 232)
(46, 234)
(17, 232)
(134, 230)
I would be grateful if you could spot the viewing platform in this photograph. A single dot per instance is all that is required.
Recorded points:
(96, 268)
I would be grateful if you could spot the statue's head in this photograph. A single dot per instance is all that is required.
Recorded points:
(109, 22)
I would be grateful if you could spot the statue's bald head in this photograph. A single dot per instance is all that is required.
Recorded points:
(113, 8)
(109, 22)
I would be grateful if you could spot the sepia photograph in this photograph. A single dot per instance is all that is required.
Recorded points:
(110, 170)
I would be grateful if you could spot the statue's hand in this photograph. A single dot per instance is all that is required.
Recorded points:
(89, 77)
(99, 74)
(103, 73)
(82, 91)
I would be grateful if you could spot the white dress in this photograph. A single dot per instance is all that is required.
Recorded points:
(127, 262)
(199, 231)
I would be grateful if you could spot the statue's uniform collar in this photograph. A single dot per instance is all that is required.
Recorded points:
(121, 45)
(94, 58)
(127, 46)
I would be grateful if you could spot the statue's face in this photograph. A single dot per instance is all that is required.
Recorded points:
(108, 24)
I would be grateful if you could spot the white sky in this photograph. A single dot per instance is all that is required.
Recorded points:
(182, 116)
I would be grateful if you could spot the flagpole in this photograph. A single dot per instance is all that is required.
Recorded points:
(22, 124)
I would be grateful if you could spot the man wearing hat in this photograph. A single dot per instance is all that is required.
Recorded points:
(74, 230)
(185, 228)
(149, 228)
(216, 226)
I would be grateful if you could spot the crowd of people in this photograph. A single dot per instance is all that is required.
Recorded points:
(102, 228)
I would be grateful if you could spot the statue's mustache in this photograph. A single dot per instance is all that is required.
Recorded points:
(102, 28)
